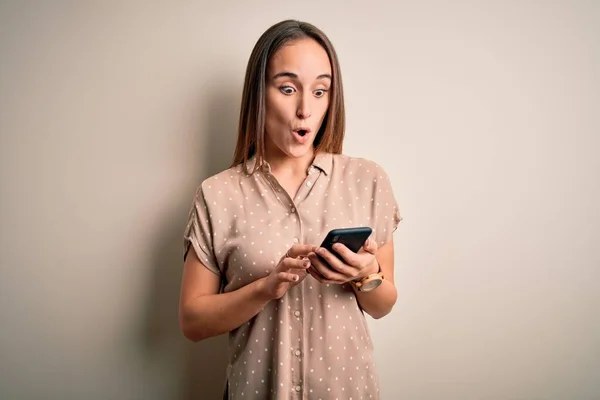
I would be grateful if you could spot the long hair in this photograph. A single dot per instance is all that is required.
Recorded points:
(251, 128)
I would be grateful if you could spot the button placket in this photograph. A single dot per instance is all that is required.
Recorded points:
(278, 190)
(297, 312)
(294, 222)
(307, 185)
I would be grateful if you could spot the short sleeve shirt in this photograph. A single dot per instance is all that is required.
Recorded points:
(314, 342)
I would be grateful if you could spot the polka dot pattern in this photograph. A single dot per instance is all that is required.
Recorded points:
(314, 342)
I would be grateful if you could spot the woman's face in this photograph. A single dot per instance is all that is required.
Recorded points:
(297, 97)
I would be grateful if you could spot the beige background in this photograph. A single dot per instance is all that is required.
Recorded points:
(485, 114)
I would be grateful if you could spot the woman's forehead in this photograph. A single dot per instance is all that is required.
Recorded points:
(305, 58)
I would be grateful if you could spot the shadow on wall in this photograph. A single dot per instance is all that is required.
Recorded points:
(207, 360)
(201, 365)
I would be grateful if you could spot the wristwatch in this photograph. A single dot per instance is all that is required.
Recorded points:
(369, 282)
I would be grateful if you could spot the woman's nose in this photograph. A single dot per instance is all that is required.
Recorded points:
(303, 111)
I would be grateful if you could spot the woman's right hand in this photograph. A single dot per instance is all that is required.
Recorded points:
(290, 271)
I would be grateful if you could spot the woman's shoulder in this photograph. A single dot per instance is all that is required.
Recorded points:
(358, 166)
(223, 181)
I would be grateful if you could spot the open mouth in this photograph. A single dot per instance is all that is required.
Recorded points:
(302, 131)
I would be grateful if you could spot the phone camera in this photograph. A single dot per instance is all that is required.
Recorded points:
(336, 238)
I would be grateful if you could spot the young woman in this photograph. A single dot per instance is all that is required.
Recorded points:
(295, 321)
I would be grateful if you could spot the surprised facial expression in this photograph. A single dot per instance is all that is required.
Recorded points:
(297, 97)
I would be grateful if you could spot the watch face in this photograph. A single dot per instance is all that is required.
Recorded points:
(370, 285)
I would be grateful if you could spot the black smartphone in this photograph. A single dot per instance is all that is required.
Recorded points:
(352, 238)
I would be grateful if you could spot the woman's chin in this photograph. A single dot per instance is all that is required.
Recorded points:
(299, 151)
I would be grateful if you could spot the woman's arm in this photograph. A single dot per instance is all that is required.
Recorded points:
(380, 301)
(204, 312)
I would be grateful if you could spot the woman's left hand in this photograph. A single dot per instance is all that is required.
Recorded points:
(330, 269)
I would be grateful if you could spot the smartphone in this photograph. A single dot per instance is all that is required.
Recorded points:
(353, 238)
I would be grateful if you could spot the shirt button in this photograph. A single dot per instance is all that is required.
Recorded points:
(298, 388)
(297, 313)
(293, 210)
(309, 183)
(298, 352)
(296, 240)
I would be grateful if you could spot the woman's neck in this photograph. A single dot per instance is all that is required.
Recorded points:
(283, 165)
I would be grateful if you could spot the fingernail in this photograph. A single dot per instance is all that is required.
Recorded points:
(295, 277)
(306, 263)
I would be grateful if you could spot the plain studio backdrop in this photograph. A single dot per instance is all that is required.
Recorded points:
(484, 113)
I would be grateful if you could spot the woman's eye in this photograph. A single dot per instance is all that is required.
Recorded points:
(320, 92)
(287, 89)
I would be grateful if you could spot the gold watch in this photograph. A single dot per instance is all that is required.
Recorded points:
(369, 282)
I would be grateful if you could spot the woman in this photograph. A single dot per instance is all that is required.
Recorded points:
(295, 321)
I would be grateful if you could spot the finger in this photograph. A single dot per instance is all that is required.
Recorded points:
(300, 250)
(325, 270)
(287, 277)
(348, 268)
(288, 263)
(351, 258)
(370, 246)
(302, 274)
(315, 274)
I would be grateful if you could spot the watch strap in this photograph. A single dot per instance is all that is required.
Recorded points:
(358, 284)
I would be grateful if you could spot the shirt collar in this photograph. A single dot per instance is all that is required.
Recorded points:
(322, 161)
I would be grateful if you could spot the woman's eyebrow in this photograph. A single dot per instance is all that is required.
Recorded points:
(292, 75)
(285, 74)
